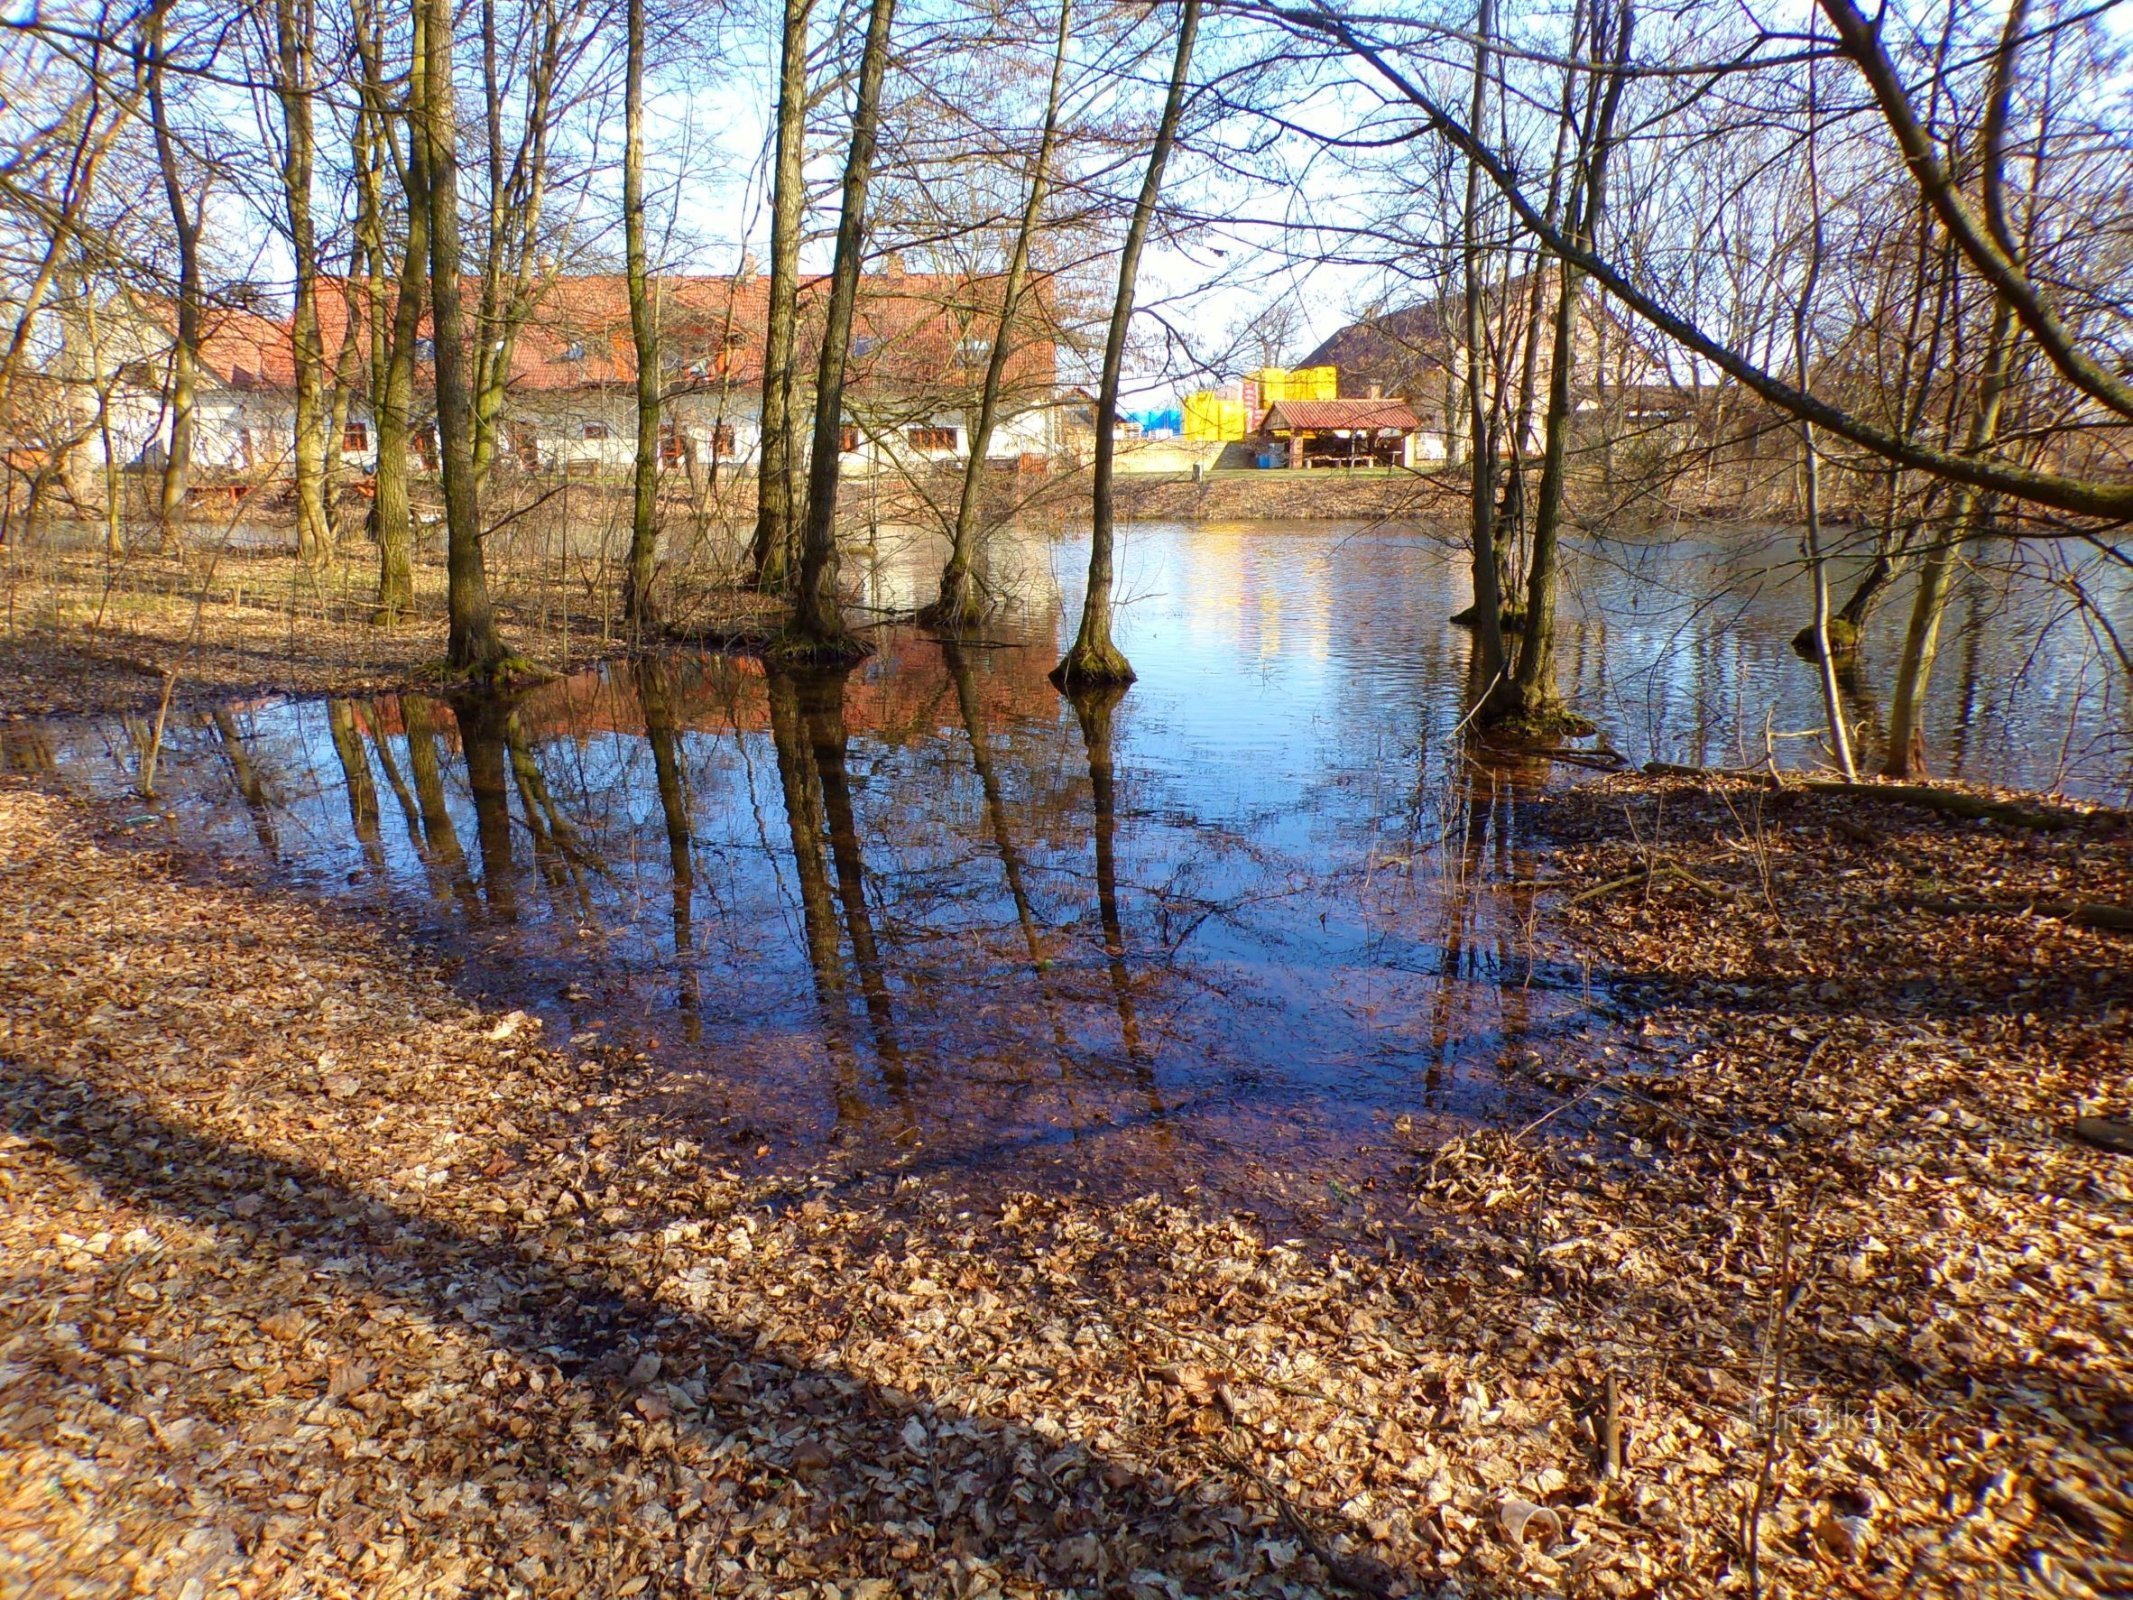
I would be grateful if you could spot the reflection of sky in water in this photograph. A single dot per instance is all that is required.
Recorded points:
(1312, 923)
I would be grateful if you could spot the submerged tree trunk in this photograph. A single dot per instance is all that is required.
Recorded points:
(1093, 658)
(185, 348)
(473, 645)
(1487, 568)
(770, 554)
(1534, 701)
(295, 25)
(961, 605)
(644, 332)
(817, 629)
(1906, 754)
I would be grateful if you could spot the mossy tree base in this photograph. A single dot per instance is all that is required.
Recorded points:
(1542, 724)
(1843, 640)
(507, 671)
(795, 649)
(960, 609)
(1092, 665)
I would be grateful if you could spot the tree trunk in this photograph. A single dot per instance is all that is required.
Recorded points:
(769, 557)
(961, 605)
(1488, 594)
(817, 628)
(395, 404)
(295, 25)
(637, 611)
(393, 321)
(473, 644)
(185, 350)
(1534, 701)
(1093, 658)
(1906, 754)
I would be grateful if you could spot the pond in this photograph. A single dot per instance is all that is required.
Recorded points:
(1252, 926)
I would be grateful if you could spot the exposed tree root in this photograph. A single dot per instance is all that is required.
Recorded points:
(791, 649)
(2116, 919)
(1953, 802)
(1091, 666)
(1543, 725)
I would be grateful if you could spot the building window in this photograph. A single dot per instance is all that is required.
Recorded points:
(931, 438)
(865, 345)
(425, 349)
(847, 440)
(595, 430)
(356, 437)
(974, 351)
(573, 351)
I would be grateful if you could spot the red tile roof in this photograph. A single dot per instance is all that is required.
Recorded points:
(1314, 415)
(912, 330)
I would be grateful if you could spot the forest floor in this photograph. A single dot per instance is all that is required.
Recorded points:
(318, 1279)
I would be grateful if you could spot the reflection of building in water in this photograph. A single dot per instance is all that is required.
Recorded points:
(1257, 593)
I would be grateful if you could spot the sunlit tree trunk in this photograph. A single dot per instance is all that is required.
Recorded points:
(1488, 594)
(1906, 754)
(185, 349)
(644, 333)
(1093, 658)
(770, 553)
(1535, 700)
(961, 605)
(392, 320)
(817, 622)
(474, 646)
(1811, 466)
(295, 29)
(515, 195)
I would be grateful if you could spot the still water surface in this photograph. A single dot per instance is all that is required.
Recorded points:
(1252, 925)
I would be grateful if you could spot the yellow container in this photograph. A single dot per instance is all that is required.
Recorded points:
(1297, 383)
(1212, 416)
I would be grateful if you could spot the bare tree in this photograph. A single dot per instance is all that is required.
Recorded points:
(1093, 659)
(817, 628)
(961, 605)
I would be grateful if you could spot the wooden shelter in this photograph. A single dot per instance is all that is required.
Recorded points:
(1337, 433)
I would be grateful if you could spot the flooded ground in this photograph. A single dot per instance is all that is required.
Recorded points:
(1253, 925)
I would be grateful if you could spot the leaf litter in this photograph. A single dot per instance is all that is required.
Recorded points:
(319, 1280)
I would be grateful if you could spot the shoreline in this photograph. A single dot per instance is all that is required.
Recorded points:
(290, 1215)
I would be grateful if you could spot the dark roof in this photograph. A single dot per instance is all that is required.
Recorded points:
(1310, 415)
(1397, 351)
